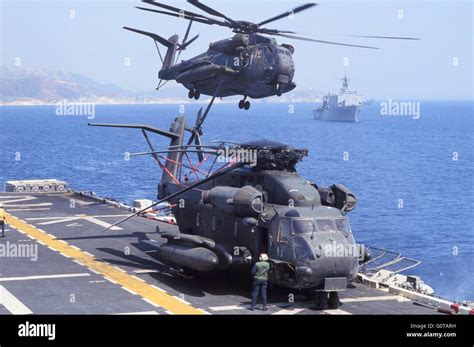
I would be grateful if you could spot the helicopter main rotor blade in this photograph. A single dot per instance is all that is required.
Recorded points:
(188, 30)
(385, 37)
(138, 154)
(274, 31)
(186, 146)
(288, 13)
(179, 192)
(209, 10)
(208, 21)
(326, 42)
(186, 44)
(154, 36)
(174, 9)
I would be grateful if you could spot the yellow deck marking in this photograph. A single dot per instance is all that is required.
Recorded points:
(145, 290)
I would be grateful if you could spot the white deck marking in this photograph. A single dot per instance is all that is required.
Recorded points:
(80, 216)
(375, 298)
(130, 291)
(61, 220)
(145, 271)
(29, 205)
(28, 209)
(101, 223)
(226, 308)
(137, 313)
(11, 303)
(337, 311)
(41, 277)
(92, 219)
(151, 302)
(16, 198)
(290, 310)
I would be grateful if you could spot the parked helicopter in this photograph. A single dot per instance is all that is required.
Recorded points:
(254, 203)
(250, 64)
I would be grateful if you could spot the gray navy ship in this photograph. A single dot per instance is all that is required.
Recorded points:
(342, 107)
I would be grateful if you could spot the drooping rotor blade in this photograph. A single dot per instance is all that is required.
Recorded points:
(209, 10)
(136, 126)
(150, 144)
(288, 13)
(326, 42)
(197, 141)
(186, 146)
(188, 30)
(155, 37)
(179, 192)
(200, 120)
(385, 37)
(206, 20)
(186, 44)
(197, 132)
(153, 153)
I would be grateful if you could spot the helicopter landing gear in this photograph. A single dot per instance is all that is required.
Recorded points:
(320, 301)
(333, 301)
(244, 104)
(325, 300)
(279, 89)
(193, 93)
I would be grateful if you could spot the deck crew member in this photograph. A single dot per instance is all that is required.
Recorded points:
(3, 219)
(260, 281)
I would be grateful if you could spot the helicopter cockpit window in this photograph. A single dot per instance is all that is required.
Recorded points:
(325, 225)
(342, 225)
(302, 250)
(303, 226)
(284, 231)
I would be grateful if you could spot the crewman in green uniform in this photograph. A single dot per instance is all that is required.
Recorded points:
(260, 281)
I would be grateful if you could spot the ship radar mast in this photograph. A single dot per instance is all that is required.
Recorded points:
(345, 85)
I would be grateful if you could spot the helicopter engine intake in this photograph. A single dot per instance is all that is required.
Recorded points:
(229, 46)
(337, 196)
(243, 202)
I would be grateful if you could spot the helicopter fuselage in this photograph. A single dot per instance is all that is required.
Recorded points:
(307, 243)
(250, 65)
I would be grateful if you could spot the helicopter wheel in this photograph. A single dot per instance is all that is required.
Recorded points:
(197, 95)
(279, 89)
(191, 94)
(320, 301)
(333, 301)
(241, 104)
(246, 105)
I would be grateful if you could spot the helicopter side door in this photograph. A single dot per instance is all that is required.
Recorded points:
(279, 244)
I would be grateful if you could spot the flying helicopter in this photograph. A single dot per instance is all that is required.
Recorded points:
(251, 63)
(243, 199)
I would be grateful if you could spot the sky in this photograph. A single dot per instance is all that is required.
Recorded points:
(86, 37)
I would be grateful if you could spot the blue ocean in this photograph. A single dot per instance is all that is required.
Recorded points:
(413, 178)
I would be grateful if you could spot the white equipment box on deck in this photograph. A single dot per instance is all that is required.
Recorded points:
(37, 186)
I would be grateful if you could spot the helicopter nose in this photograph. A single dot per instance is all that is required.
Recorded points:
(305, 273)
(285, 67)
